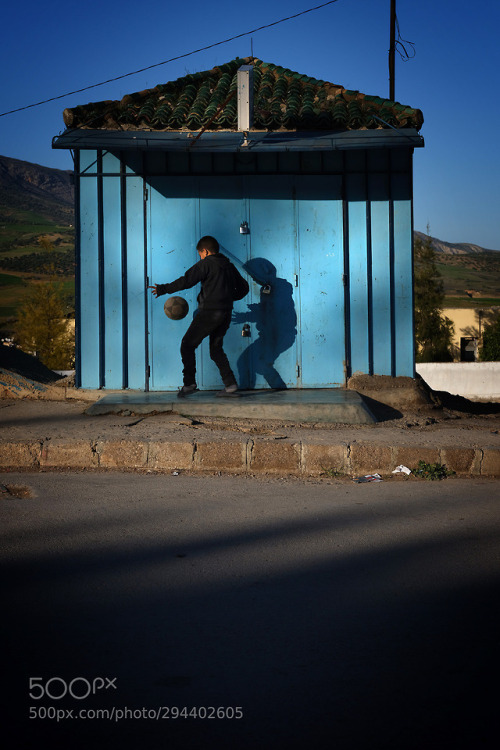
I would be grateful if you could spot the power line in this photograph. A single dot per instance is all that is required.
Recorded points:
(172, 59)
(405, 53)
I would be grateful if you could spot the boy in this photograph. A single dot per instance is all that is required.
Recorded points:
(213, 317)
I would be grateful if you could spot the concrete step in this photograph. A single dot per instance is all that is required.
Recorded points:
(335, 405)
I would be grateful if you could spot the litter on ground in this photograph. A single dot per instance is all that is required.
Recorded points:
(401, 470)
(368, 478)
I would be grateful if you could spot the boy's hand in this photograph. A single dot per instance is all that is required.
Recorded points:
(155, 290)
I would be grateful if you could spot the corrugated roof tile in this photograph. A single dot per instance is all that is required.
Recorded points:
(283, 100)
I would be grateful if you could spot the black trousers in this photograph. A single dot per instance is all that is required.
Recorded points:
(213, 323)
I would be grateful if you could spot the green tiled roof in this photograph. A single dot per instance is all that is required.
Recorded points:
(283, 100)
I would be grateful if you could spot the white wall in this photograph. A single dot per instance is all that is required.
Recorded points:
(473, 380)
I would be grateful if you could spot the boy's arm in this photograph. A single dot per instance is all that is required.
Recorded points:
(192, 276)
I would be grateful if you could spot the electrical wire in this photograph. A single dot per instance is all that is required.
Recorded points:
(400, 47)
(172, 59)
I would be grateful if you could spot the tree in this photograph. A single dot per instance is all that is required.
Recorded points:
(42, 327)
(490, 349)
(433, 331)
(42, 324)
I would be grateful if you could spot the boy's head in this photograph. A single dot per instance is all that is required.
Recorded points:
(207, 246)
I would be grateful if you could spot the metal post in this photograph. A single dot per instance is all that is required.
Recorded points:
(392, 52)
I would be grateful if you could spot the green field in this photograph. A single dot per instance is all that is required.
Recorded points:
(474, 302)
(479, 273)
(20, 230)
(22, 258)
(31, 245)
(460, 278)
(26, 215)
(7, 279)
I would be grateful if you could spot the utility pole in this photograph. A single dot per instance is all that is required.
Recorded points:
(392, 52)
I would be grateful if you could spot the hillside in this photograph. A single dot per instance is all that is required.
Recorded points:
(35, 201)
(448, 248)
(471, 274)
(26, 187)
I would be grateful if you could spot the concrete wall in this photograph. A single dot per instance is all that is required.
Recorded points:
(473, 380)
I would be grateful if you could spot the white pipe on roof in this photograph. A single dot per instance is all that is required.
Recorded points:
(245, 97)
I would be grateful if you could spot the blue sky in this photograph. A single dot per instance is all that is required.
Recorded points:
(51, 48)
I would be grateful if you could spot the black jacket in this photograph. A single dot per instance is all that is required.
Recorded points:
(215, 275)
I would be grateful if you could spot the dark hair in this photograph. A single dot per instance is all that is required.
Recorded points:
(208, 243)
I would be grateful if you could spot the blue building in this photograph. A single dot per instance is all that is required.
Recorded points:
(308, 186)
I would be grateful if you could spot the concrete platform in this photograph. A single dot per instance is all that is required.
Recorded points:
(336, 405)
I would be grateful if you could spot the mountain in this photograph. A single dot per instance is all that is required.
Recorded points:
(448, 248)
(46, 192)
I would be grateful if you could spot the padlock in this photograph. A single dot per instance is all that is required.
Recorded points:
(245, 331)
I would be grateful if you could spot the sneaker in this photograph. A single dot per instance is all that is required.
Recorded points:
(229, 390)
(187, 390)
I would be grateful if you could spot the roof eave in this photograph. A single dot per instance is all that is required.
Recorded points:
(224, 141)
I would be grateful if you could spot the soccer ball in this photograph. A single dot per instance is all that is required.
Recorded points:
(176, 308)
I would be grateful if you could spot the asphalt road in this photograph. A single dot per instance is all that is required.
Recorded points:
(147, 612)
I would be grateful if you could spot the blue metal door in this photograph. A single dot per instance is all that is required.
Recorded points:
(172, 250)
(321, 250)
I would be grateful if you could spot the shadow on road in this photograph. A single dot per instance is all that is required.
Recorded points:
(355, 623)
